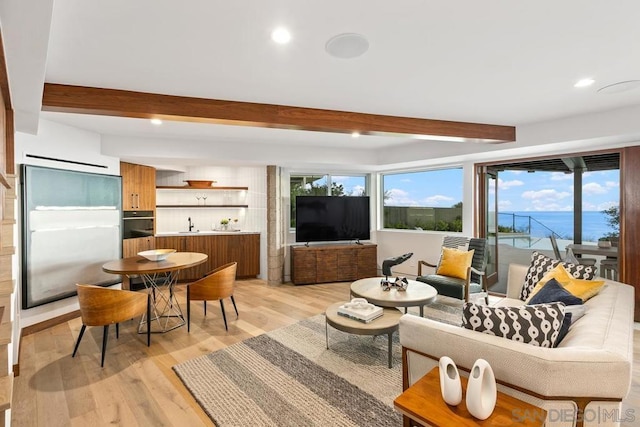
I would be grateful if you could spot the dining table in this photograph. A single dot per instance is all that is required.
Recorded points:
(159, 278)
(586, 249)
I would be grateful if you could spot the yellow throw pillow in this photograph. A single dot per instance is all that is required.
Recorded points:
(583, 289)
(454, 263)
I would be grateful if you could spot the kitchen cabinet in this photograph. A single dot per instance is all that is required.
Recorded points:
(332, 263)
(138, 187)
(131, 247)
(221, 249)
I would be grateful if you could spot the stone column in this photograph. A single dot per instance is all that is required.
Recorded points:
(275, 237)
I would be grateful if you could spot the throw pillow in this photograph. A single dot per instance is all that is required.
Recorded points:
(577, 311)
(538, 325)
(583, 289)
(553, 291)
(564, 329)
(541, 264)
(454, 263)
(538, 267)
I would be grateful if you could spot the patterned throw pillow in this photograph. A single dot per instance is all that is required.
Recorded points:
(542, 264)
(538, 325)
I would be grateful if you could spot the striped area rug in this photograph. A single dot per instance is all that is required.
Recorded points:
(287, 377)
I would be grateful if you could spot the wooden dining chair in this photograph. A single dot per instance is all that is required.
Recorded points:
(216, 285)
(104, 306)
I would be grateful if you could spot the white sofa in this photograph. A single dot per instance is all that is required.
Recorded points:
(588, 373)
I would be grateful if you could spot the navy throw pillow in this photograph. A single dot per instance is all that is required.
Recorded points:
(552, 291)
(564, 329)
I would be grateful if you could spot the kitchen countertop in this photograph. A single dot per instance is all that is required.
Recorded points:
(203, 233)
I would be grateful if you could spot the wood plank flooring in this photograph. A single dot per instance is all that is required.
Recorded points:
(137, 386)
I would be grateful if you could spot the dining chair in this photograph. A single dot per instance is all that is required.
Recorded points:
(216, 285)
(570, 255)
(104, 306)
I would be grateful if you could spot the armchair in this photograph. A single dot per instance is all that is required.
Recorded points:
(474, 279)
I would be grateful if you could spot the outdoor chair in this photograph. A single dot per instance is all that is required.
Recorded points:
(571, 258)
(464, 280)
(104, 306)
(216, 285)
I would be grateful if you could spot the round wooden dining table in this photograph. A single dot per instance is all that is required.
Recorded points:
(159, 278)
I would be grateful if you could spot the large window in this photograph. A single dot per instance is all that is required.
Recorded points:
(325, 185)
(423, 200)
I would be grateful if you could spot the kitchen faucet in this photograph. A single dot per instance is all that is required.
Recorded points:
(190, 224)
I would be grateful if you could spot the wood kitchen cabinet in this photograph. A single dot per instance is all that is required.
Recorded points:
(138, 187)
(221, 249)
(333, 263)
(131, 247)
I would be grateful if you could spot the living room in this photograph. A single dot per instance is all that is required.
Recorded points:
(558, 120)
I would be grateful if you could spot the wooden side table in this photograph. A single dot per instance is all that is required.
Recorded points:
(423, 403)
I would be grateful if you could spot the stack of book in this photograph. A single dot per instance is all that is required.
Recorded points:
(362, 312)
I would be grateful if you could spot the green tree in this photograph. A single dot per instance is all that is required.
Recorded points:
(613, 214)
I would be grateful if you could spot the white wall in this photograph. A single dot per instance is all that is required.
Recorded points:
(253, 218)
(66, 143)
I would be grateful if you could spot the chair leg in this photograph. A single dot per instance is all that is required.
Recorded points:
(204, 303)
(117, 330)
(224, 316)
(148, 320)
(234, 306)
(188, 309)
(105, 335)
(75, 349)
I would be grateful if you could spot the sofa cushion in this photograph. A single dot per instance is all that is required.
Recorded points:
(455, 263)
(553, 291)
(538, 325)
(583, 289)
(542, 264)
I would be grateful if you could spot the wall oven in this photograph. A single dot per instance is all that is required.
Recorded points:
(137, 224)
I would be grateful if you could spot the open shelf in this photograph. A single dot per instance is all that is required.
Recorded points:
(186, 187)
(201, 206)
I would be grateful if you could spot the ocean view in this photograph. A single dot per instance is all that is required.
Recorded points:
(541, 223)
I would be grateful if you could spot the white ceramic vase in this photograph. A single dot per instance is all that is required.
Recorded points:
(481, 390)
(450, 381)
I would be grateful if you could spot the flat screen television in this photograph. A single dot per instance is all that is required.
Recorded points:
(332, 218)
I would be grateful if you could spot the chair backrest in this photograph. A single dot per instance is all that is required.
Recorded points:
(480, 255)
(104, 306)
(554, 245)
(217, 284)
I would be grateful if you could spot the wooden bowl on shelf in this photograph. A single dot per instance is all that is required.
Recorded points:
(198, 183)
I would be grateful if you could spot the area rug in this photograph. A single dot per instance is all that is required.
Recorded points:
(288, 377)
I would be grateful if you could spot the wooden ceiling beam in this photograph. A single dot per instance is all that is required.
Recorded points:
(122, 103)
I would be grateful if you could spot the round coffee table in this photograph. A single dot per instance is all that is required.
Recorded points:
(418, 294)
(385, 324)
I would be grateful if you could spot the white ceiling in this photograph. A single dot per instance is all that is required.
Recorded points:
(494, 61)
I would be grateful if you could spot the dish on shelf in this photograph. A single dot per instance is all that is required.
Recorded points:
(156, 254)
(199, 183)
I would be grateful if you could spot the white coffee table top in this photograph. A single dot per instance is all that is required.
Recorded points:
(417, 293)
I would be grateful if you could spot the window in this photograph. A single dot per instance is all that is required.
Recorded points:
(325, 185)
(423, 200)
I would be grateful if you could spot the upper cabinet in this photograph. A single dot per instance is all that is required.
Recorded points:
(138, 187)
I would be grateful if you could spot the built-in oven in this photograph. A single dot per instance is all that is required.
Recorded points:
(137, 224)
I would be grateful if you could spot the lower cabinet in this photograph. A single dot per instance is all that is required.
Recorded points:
(333, 263)
(221, 249)
(131, 247)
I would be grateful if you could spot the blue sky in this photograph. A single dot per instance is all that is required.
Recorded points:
(518, 191)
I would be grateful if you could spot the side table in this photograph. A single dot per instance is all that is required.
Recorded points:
(423, 403)
(387, 324)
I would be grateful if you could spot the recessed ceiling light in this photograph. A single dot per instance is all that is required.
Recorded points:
(584, 82)
(156, 122)
(355, 134)
(347, 45)
(281, 35)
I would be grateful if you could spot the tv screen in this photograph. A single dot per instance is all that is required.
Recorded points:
(331, 218)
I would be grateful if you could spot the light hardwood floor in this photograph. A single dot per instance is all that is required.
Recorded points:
(137, 386)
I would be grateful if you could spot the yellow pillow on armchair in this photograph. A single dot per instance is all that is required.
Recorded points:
(454, 263)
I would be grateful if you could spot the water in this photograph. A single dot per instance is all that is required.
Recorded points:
(594, 223)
